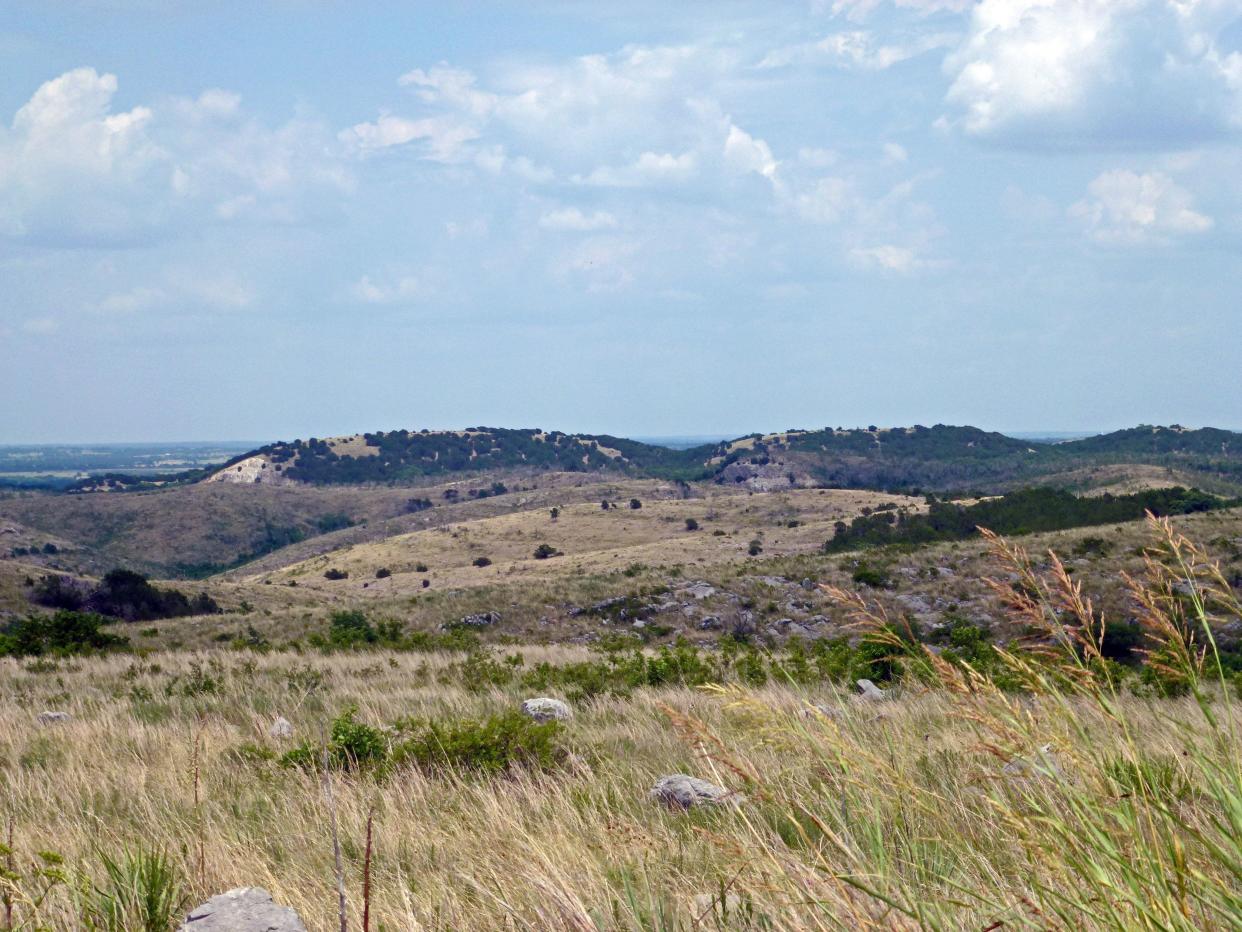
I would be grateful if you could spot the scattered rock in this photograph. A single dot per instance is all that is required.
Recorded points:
(479, 620)
(808, 584)
(244, 909)
(697, 590)
(544, 709)
(872, 693)
(681, 791)
(281, 728)
(54, 718)
(774, 581)
(710, 623)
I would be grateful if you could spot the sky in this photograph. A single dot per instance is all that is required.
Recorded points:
(290, 218)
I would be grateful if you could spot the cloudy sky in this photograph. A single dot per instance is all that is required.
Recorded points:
(292, 218)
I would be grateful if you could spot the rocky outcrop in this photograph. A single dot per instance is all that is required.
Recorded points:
(682, 791)
(545, 709)
(244, 909)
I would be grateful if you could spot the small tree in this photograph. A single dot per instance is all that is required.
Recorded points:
(556, 513)
(755, 547)
(604, 504)
(543, 551)
(691, 524)
(635, 504)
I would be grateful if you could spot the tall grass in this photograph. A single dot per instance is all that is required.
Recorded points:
(1073, 803)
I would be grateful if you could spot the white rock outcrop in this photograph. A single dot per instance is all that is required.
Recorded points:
(243, 909)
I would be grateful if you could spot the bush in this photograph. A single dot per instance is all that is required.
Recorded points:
(351, 746)
(691, 524)
(335, 574)
(64, 633)
(482, 561)
(755, 547)
(543, 551)
(350, 629)
(871, 576)
(497, 744)
(635, 504)
(383, 573)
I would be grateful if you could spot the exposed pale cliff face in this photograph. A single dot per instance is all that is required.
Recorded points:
(253, 471)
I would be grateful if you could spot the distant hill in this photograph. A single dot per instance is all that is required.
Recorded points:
(942, 457)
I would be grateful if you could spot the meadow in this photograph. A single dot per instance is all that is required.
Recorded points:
(1042, 789)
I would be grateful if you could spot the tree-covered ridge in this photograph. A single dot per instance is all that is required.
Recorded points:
(403, 454)
(941, 457)
(1025, 512)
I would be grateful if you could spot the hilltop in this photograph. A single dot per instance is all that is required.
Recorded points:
(941, 458)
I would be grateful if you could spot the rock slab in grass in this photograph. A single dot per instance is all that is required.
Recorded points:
(682, 791)
(544, 709)
(244, 909)
(281, 728)
(872, 693)
(54, 718)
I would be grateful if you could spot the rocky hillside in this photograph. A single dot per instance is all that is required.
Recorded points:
(941, 458)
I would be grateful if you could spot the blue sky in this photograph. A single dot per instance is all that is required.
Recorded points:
(279, 219)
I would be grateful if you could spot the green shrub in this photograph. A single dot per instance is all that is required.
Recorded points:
(352, 745)
(494, 745)
(543, 551)
(64, 633)
(350, 629)
(335, 574)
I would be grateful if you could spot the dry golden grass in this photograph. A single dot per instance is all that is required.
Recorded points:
(897, 815)
(591, 540)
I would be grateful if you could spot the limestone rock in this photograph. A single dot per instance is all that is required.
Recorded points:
(697, 590)
(243, 909)
(54, 718)
(544, 709)
(869, 692)
(681, 791)
(281, 728)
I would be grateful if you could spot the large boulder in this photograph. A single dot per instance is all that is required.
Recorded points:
(244, 909)
(681, 791)
(869, 692)
(544, 709)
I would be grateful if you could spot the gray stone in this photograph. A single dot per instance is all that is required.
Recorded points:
(544, 709)
(244, 909)
(480, 620)
(281, 728)
(872, 693)
(681, 791)
(54, 718)
(710, 623)
(808, 584)
(697, 590)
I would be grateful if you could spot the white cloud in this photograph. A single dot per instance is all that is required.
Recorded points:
(895, 154)
(398, 289)
(181, 289)
(73, 171)
(1126, 207)
(571, 219)
(1090, 72)
(648, 168)
(745, 153)
(857, 49)
(889, 257)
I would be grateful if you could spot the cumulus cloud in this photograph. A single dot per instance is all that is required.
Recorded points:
(1126, 207)
(1079, 73)
(72, 170)
(571, 219)
(857, 49)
